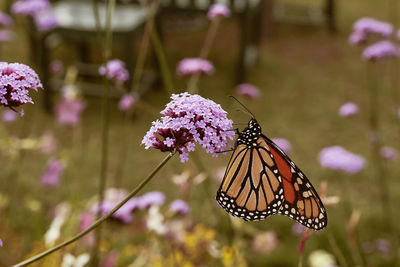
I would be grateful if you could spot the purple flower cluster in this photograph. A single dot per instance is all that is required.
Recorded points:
(45, 21)
(388, 153)
(188, 119)
(68, 111)
(5, 20)
(124, 214)
(381, 50)
(115, 69)
(179, 206)
(338, 158)
(128, 102)
(16, 80)
(348, 109)
(218, 11)
(283, 144)
(367, 26)
(190, 66)
(51, 176)
(248, 90)
(39, 10)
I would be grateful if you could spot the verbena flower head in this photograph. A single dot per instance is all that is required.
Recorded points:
(372, 26)
(283, 144)
(338, 158)
(45, 21)
(5, 20)
(357, 38)
(16, 80)
(29, 7)
(128, 102)
(380, 50)
(388, 153)
(54, 169)
(115, 69)
(190, 119)
(68, 111)
(5, 35)
(179, 206)
(218, 11)
(149, 199)
(190, 66)
(348, 109)
(248, 90)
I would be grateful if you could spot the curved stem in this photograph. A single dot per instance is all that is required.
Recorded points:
(99, 221)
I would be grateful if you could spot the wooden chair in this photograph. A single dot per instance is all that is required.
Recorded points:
(247, 13)
(76, 25)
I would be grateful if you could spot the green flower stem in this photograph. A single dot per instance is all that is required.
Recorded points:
(105, 126)
(205, 50)
(336, 250)
(162, 60)
(100, 220)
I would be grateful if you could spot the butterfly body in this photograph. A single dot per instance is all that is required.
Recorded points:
(261, 180)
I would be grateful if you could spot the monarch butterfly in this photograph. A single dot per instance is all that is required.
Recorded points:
(261, 180)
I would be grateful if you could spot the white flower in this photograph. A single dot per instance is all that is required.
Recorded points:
(70, 260)
(155, 221)
(61, 215)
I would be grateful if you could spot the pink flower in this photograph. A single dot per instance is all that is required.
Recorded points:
(348, 109)
(179, 206)
(9, 116)
(265, 242)
(114, 69)
(5, 20)
(190, 66)
(357, 38)
(51, 176)
(56, 66)
(373, 26)
(128, 102)
(248, 90)
(5, 35)
(388, 153)
(86, 220)
(283, 144)
(188, 119)
(218, 11)
(16, 81)
(68, 111)
(47, 143)
(380, 50)
(45, 20)
(111, 259)
(338, 158)
(29, 7)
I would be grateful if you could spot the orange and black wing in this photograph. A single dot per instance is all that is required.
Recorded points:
(301, 201)
(251, 188)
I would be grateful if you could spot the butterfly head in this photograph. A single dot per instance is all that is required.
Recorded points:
(250, 134)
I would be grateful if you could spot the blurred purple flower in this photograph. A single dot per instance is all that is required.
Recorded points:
(357, 38)
(388, 153)
(128, 102)
(298, 229)
(45, 20)
(338, 158)
(283, 144)
(265, 242)
(149, 199)
(47, 143)
(5, 20)
(248, 90)
(373, 26)
(5, 35)
(9, 116)
(348, 109)
(190, 66)
(29, 7)
(1, 242)
(111, 259)
(68, 111)
(56, 66)
(114, 69)
(383, 245)
(380, 50)
(188, 119)
(16, 80)
(51, 176)
(218, 11)
(86, 220)
(179, 206)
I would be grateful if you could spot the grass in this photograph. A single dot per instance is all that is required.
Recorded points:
(305, 74)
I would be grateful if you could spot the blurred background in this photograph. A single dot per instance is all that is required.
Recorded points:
(298, 69)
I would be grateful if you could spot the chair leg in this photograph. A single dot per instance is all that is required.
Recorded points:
(330, 14)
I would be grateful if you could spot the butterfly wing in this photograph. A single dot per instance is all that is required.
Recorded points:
(251, 188)
(301, 201)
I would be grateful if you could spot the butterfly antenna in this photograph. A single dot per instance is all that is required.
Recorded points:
(248, 111)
